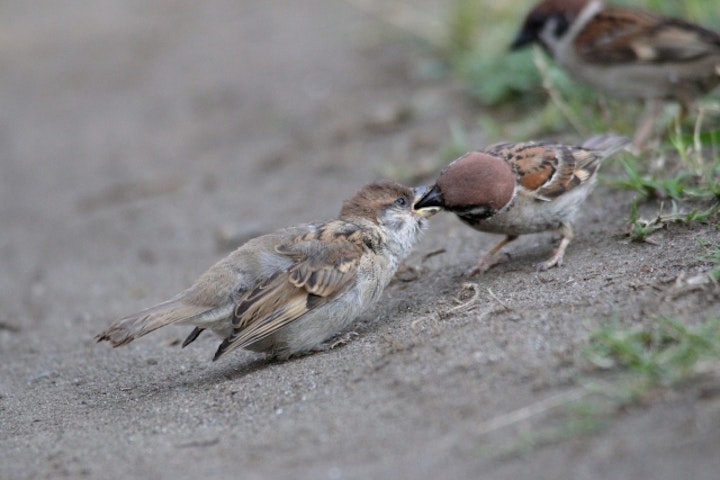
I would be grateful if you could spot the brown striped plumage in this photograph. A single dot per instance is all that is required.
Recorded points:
(287, 292)
(627, 52)
(619, 35)
(547, 170)
(519, 188)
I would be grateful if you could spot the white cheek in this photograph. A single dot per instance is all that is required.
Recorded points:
(559, 46)
(547, 35)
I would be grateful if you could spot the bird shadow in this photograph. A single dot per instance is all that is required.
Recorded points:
(184, 382)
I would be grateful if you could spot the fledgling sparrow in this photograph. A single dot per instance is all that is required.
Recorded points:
(626, 52)
(287, 292)
(519, 188)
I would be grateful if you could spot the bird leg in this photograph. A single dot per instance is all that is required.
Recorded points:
(557, 257)
(336, 341)
(486, 260)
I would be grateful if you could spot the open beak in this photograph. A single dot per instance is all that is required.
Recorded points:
(428, 201)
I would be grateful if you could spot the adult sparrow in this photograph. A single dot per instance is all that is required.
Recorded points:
(287, 292)
(626, 52)
(519, 188)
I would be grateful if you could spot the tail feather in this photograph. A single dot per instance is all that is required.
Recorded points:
(607, 144)
(193, 336)
(135, 326)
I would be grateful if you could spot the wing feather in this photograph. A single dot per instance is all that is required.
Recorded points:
(321, 272)
(621, 35)
(547, 170)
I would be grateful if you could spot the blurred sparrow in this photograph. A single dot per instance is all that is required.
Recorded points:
(519, 188)
(626, 52)
(287, 292)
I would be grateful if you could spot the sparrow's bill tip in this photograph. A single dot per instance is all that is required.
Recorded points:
(426, 212)
(427, 201)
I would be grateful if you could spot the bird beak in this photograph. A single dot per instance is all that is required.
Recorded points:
(428, 201)
(523, 39)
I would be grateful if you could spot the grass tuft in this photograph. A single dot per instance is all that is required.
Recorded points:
(661, 355)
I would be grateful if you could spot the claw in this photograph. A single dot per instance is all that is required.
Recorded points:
(557, 257)
(338, 341)
(486, 262)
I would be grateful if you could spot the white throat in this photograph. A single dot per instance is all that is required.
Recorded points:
(561, 46)
(401, 232)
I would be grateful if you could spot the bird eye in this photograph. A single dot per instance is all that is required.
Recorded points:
(400, 201)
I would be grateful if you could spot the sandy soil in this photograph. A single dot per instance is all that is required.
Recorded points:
(139, 140)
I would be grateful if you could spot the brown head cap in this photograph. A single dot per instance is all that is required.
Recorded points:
(370, 201)
(477, 179)
(563, 12)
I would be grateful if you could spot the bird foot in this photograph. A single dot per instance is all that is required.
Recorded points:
(557, 257)
(486, 262)
(336, 342)
(555, 261)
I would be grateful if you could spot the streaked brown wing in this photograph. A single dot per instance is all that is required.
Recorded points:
(621, 35)
(544, 170)
(321, 272)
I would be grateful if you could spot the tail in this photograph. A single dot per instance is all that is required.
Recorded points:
(607, 144)
(135, 326)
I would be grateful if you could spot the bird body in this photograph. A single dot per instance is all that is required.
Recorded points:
(286, 292)
(521, 188)
(626, 52)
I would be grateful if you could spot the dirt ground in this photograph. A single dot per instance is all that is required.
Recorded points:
(139, 140)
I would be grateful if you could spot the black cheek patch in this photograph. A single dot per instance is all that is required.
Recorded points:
(561, 24)
(475, 213)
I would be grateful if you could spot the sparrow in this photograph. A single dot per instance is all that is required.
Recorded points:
(626, 52)
(519, 188)
(287, 292)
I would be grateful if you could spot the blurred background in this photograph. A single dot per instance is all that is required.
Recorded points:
(140, 141)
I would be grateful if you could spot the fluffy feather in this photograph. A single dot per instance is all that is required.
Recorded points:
(520, 188)
(287, 292)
